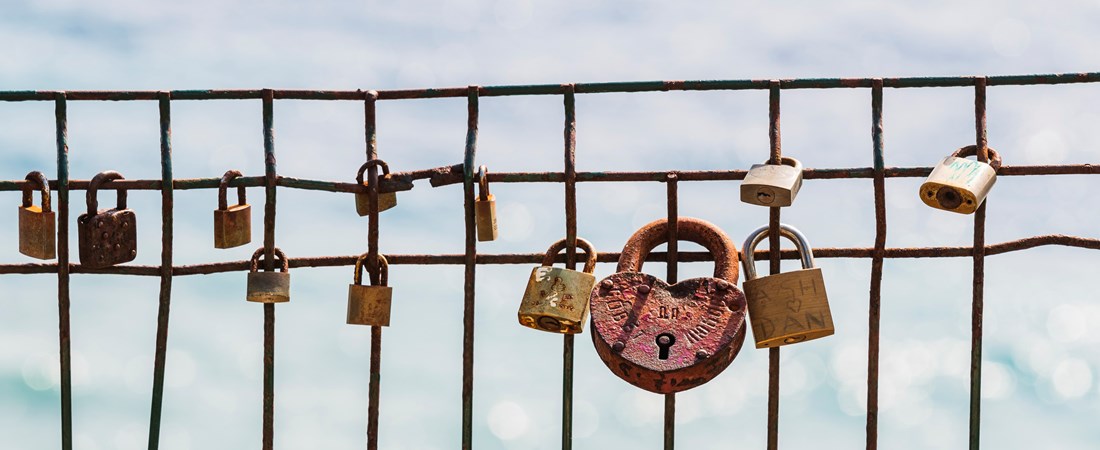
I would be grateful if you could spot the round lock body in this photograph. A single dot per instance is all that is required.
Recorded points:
(556, 299)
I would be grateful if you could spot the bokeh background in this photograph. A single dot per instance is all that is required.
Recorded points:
(1040, 387)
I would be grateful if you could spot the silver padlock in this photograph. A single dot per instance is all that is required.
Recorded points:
(772, 185)
(958, 184)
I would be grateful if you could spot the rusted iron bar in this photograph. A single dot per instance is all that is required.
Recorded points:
(773, 247)
(570, 171)
(370, 113)
(672, 196)
(875, 303)
(978, 304)
(164, 307)
(61, 129)
(469, 259)
(271, 175)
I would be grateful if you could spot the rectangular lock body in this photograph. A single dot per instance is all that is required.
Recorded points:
(771, 185)
(486, 212)
(556, 300)
(107, 238)
(369, 305)
(233, 226)
(268, 287)
(958, 185)
(37, 233)
(788, 308)
(386, 200)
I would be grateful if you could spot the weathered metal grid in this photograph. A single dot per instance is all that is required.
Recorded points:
(569, 177)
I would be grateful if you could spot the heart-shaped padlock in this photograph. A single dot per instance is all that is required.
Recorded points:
(663, 338)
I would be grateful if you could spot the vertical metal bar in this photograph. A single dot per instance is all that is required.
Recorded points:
(269, 264)
(773, 253)
(570, 134)
(470, 162)
(673, 247)
(876, 265)
(166, 202)
(374, 383)
(978, 306)
(61, 123)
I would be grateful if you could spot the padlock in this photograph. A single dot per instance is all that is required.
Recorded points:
(958, 184)
(773, 185)
(37, 225)
(232, 224)
(663, 338)
(556, 299)
(786, 308)
(269, 287)
(485, 208)
(108, 236)
(370, 305)
(386, 200)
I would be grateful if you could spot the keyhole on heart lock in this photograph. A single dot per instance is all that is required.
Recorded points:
(664, 341)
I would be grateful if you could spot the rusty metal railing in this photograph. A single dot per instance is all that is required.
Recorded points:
(470, 259)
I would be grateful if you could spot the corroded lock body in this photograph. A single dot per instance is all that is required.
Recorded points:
(268, 287)
(786, 308)
(386, 200)
(232, 224)
(663, 338)
(370, 305)
(556, 299)
(108, 236)
(772, 185)
(37, 224)
(485, 208)
(958, 184)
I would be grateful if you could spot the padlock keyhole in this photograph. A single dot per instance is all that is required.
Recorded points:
(664, 342)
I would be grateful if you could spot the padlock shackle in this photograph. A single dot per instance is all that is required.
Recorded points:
(788, 161)
(483, 183)
(223, 187)
(791, 233)
(972, 150)
(699, 231)
(255, 267)
(98, 180)
(35, 180)
(383, 270)
(369, 164)
(583, 244)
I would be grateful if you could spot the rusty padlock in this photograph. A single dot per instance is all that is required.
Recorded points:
(772, 185)
(958, 184)
(370, 305)
(37, 224)
(268, 287)
(485, 207)
(786, 308)
(556, 299)
(109, 236)
(232, 224)
(386, 200)
(663, 338)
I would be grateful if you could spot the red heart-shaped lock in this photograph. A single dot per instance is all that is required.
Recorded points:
(663, 338)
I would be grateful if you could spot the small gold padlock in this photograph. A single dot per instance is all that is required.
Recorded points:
(958, 184)
(786, 308)
(269, 287)
(386, 200)
(370, 305)
(486, 208)
(232, 225)
(37, 225)
(556, 299)
(772, 185)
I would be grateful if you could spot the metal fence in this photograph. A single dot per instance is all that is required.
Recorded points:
(569, 177)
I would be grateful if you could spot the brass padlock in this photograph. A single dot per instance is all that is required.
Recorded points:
(37, 225)
(386, 200)
(786, 308)
(772, 185)
(269, 287)
(232, 225)
(556, 299)
(958, 184)
(485, 208)
(370, 305)
(108, 236)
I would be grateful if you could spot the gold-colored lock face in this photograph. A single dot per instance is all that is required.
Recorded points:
(37, 224)
(786, 308)
(370, 305)
(772, 185)
(485, 208)
(232, 224)
(556, 299)
(386, 200)
(268, 287)
(958, 184)
(106, 237)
